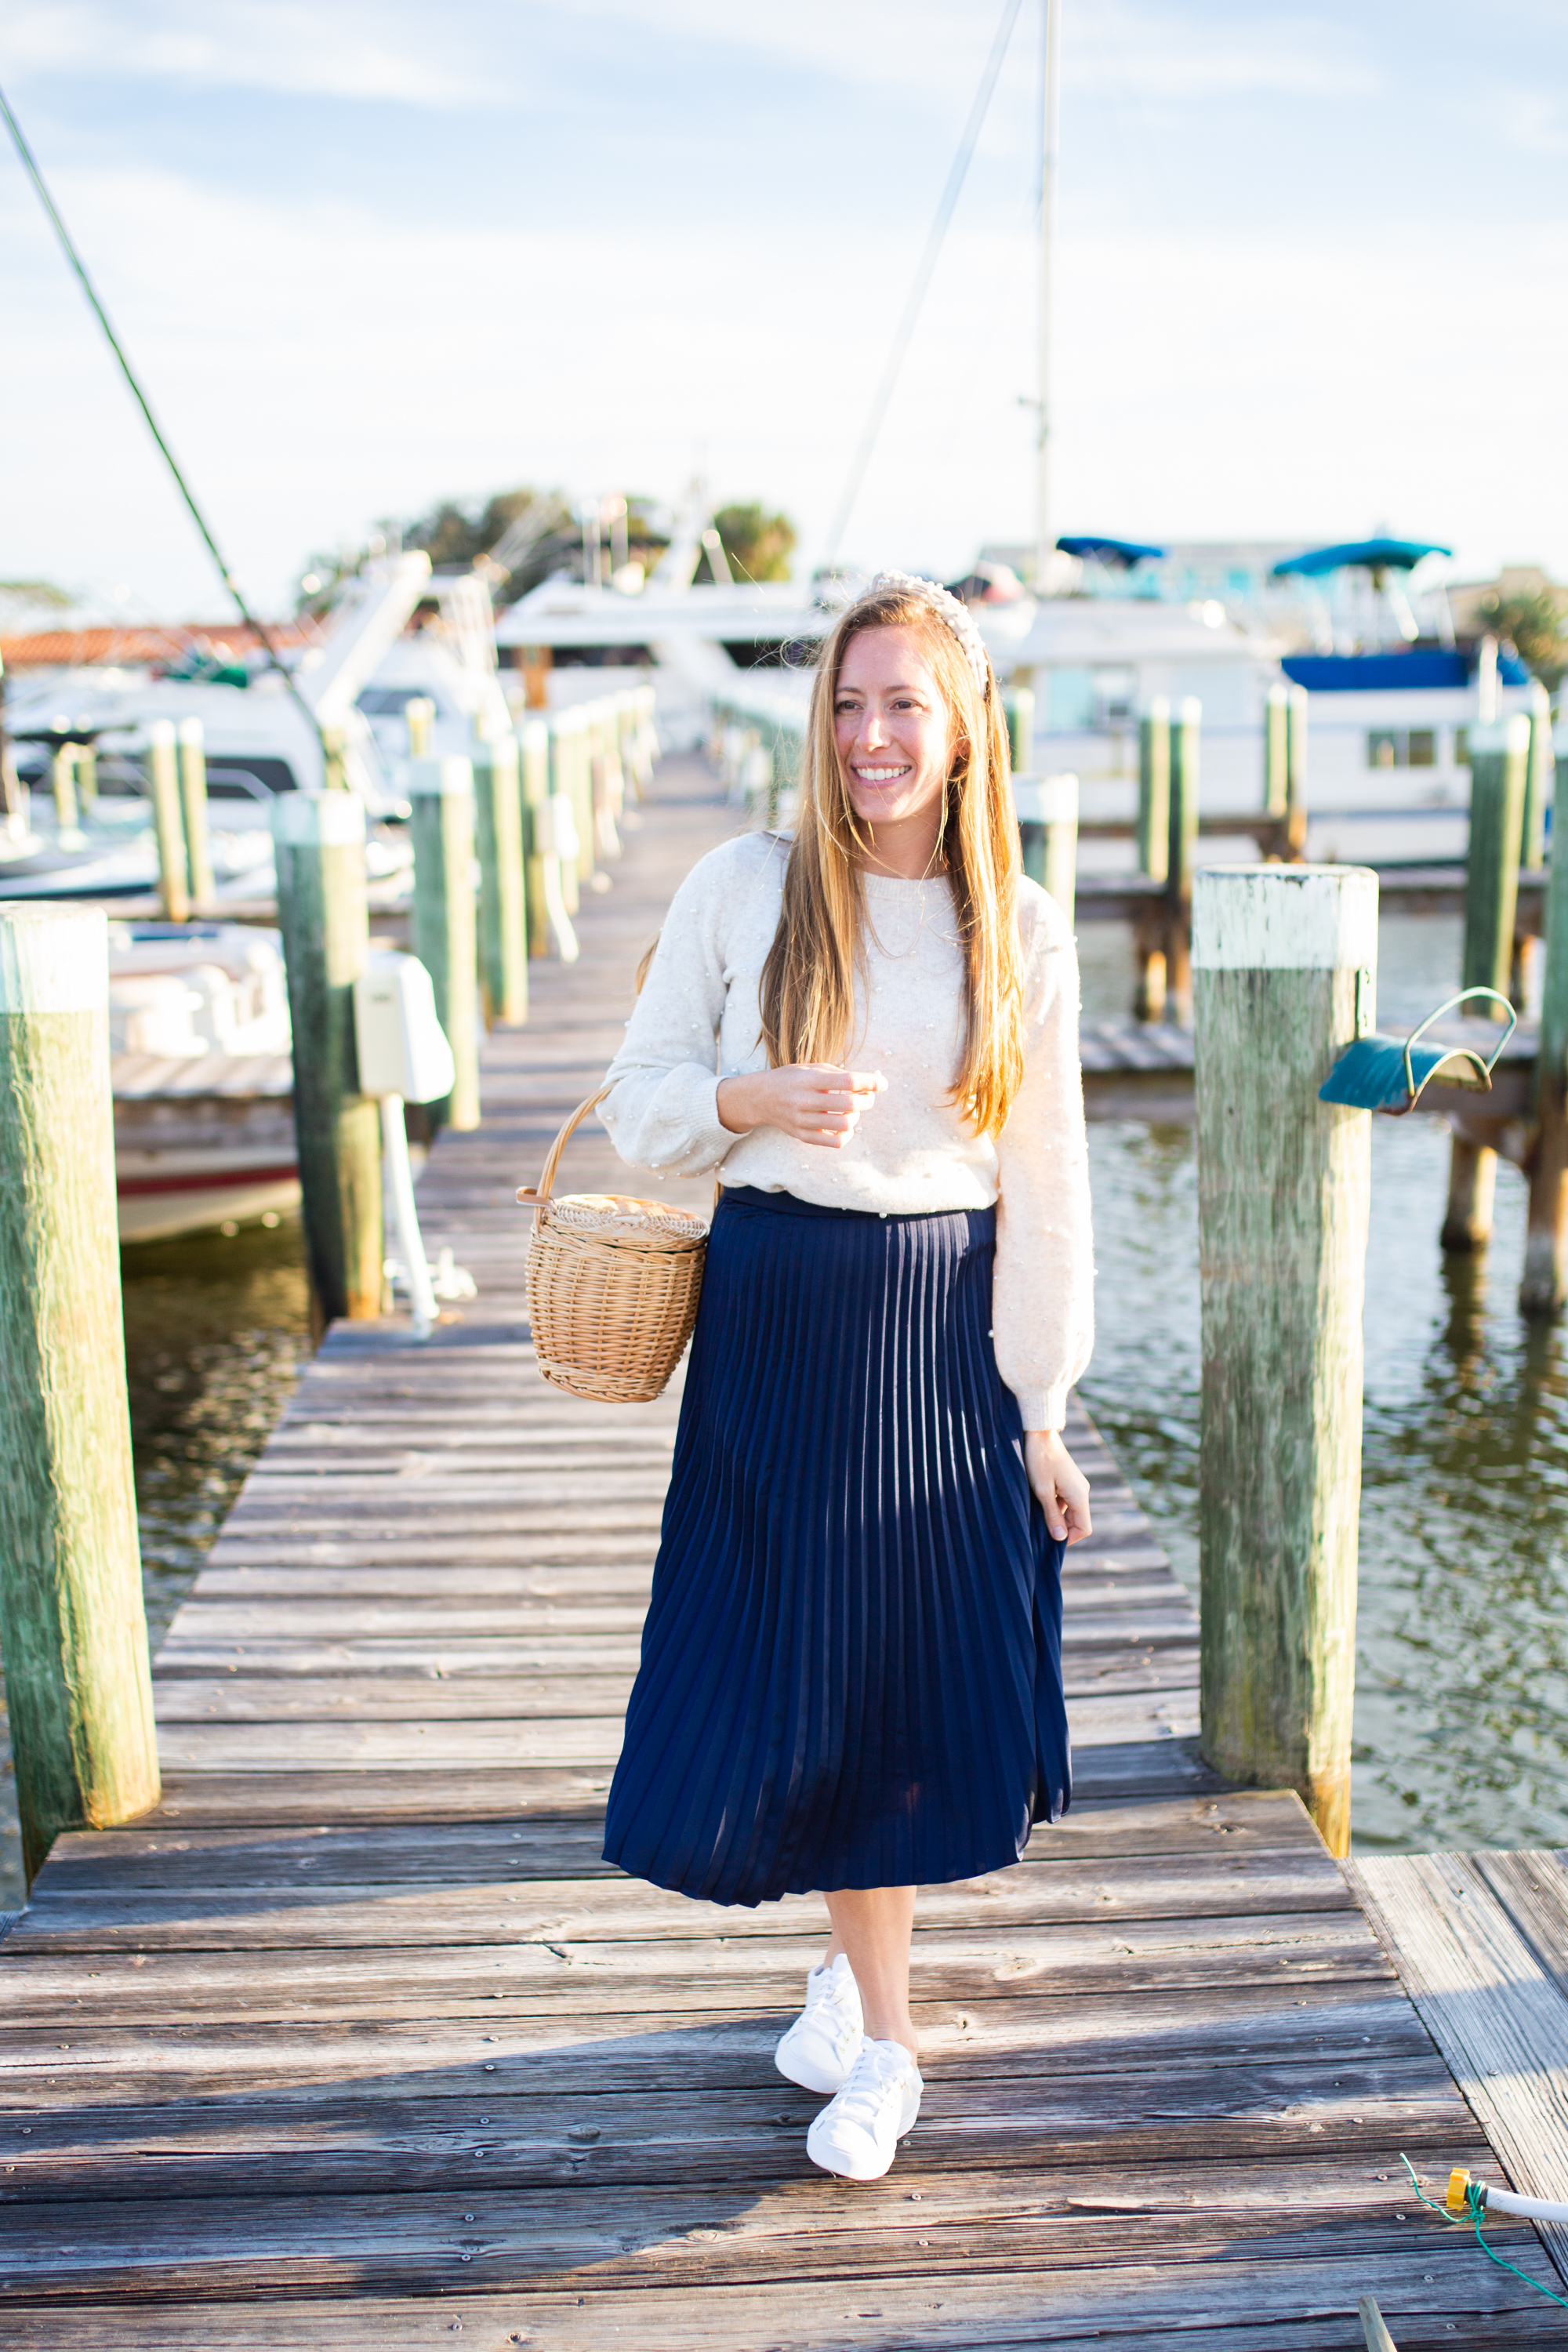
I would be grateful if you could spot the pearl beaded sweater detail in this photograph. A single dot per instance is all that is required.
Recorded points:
(698, 1020)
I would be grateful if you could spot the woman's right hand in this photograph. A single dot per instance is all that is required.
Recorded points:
(811, 1103)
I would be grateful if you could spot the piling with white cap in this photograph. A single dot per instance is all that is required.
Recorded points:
(78, 1682)
(1284, 963)
(168, 823)
(503, 908)
(194, 806)
(1500, 765)
(445, 937)
(318, 842)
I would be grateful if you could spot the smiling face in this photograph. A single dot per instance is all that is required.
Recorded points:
(895, 735)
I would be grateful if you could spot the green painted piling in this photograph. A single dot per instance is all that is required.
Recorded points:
(445, 932)
(73, 1628)
(1500, 760)
(565, 737)
(168, 821)
(318, 844)
(503, 886)
(194, 806)
(62, 779)
(1153, 838)
(1296, 772)
(1545, 1287)
(1285, 960)
(1539, 776)
(1182, 860)
(1276, 751)
(1154, 790)
(533, 745)
(1047, 829)
(1020, 710)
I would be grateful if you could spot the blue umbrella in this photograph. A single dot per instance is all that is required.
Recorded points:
(1123, 552)
(1373, 555)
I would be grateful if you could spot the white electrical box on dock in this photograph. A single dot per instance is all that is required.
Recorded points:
(403, 1048)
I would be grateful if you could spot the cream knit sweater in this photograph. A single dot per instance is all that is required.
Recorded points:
(696, 1020)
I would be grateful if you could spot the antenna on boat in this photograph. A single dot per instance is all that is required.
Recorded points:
(1050, 108)
(263, 634)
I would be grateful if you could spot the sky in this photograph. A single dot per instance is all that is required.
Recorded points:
(1311, 272)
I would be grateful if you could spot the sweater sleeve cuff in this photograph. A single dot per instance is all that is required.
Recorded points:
(712, 1138)
(1044, 1408)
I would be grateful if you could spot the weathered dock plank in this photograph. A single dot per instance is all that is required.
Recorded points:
(356, 2041)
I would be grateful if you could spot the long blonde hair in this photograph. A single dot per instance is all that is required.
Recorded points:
(808, 979)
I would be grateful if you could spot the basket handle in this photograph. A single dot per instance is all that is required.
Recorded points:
(539, 1193)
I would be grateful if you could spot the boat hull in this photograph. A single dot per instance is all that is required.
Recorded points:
(202, 1143)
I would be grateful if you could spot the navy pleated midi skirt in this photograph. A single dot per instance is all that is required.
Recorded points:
(851, 1665)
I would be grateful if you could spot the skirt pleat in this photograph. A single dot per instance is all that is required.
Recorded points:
(851, 1664)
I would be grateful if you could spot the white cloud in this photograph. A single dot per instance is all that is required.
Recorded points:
(346, 48)
(1173, 55)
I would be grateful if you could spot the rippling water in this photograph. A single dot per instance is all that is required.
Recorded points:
(1462, 1690)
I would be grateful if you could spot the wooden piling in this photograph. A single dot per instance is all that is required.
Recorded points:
(1047, 829)
(503, 910)
(1276, 751)
(445, 932)
(1500, 758)
(319, 845)
(419, 717)
(1539, 770)
(1284, 961)
(1180, 861)
(62, 779)
(87, 780)
(1020, 712)
(1296, 774)
(1545, 1287)
(533, 750)
(71, 1620)
(193, 804)
(1154, 854)
(168, 823)
(565, 735)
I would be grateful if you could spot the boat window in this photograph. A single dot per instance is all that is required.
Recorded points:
(234, 775)
(1403, 747)
(392, 701)
(1461, 747)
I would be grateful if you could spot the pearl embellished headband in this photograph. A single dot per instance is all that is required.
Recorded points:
(946, 607)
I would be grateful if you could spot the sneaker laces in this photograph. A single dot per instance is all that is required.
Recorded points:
(875, 2072)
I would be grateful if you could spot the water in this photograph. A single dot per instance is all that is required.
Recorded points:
(1461, 1718)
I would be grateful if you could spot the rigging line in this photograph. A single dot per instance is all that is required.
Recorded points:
(944, 211)
(29, 166)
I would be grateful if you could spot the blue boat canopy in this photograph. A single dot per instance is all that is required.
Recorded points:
(1370, 554)
(1123, 553)
(1421, 669)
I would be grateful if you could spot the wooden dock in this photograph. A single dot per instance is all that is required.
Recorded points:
(356, 2041)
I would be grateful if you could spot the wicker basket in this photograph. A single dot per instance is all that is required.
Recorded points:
(613, 1284)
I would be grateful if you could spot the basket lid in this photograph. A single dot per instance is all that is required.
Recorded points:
(613, 1216)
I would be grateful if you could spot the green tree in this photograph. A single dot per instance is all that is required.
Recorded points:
(1537, 627)
(759, 545)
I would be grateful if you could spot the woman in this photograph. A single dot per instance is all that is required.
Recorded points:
(851, 1666)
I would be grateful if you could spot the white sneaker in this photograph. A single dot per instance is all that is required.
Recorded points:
(823, 2043)
(856, 2134)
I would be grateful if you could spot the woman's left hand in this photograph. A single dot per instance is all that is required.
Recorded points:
(1061, 1485)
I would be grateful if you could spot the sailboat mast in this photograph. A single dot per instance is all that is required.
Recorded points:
(1050, 92)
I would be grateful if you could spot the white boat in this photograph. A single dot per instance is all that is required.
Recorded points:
(257, 740)
(202, 1077)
